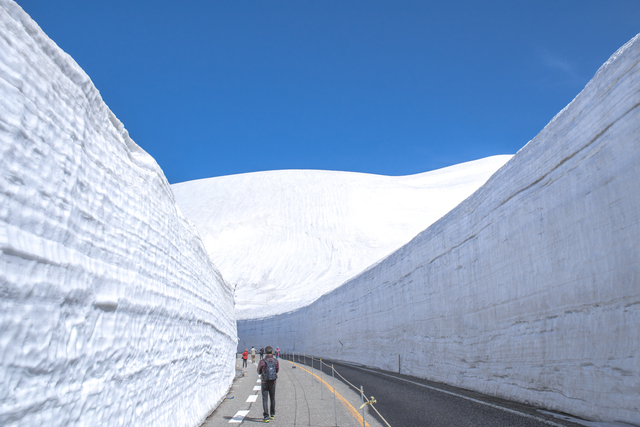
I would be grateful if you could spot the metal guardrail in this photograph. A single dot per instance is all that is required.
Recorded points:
(364, 400)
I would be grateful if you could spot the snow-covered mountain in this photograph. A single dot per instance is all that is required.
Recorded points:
(529, 289)
(111, 312)
(284, 238)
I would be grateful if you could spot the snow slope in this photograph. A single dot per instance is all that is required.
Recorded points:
(111, 312)
(529, 289)
(284, 238)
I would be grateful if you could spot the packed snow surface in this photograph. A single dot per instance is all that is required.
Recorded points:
(284, 238)
(111, 313)
(529, 289)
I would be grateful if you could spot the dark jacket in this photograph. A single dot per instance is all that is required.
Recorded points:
(262, 365)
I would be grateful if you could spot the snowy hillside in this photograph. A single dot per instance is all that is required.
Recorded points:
(111, 312)
(284, 238)
(529, 289)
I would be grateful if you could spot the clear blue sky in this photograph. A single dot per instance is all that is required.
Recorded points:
(218, 87)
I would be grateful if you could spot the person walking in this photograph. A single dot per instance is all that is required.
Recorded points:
(278, 352)
(245, 356)
(268, 369)
(253, 355)
(261, 353)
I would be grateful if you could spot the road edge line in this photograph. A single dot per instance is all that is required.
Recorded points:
(354, 413)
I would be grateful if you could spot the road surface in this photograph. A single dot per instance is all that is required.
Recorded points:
(407, 401)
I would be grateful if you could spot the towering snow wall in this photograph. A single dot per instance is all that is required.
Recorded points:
(529, 289)
(111, 312)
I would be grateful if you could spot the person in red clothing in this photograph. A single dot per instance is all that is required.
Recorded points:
(245, 355)
(268, 369)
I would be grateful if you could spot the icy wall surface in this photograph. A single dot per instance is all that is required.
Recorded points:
(529, 289)
(284, 238)
(111, 312)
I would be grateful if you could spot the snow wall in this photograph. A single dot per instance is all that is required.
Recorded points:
(529, 289)
(111, 312)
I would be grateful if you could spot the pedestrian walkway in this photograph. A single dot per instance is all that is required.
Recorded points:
(304, 397)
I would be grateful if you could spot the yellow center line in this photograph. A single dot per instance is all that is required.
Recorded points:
(354, 412)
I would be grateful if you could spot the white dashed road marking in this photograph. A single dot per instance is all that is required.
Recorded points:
(252, 398)
(256, 388)
(238, 417)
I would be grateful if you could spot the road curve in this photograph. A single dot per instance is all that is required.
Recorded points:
(408, 401)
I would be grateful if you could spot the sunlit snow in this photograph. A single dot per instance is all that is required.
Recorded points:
(513, 276)
(111, 312)
(284, 238)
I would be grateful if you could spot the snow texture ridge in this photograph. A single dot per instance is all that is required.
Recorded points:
(529, 289)
(111, 312)
(284, 238)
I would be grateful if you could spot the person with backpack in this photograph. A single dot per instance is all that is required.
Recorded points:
(268, 368)
(245, 356)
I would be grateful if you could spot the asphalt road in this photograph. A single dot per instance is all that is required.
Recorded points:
(408, 401)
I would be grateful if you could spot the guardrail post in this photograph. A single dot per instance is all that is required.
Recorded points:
(321, 379)
(362, 401)
(333, 384)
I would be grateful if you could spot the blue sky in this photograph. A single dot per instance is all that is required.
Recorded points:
(219, 87)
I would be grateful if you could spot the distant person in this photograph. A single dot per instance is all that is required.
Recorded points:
(278, 352)
(261, 353)
(245, 356)
(268, 368)
(253, 355)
